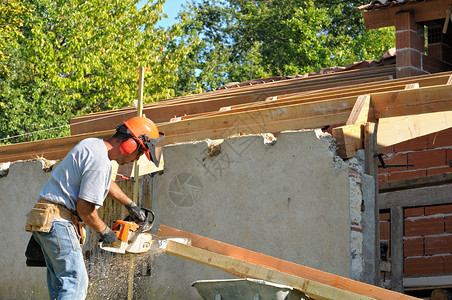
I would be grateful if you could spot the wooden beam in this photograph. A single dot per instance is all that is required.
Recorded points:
(51, 149)
(423, 11)
(361, 112)
(417, 182)
(412, 102)
(212, 101)
(291, 117)
(395, 130)
(244, 269)
(349, 137)
(431, 195)
(283, 266)
(315, 93)
(322, 93)
(315, 114)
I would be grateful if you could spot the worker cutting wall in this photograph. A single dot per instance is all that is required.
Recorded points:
(287, 197)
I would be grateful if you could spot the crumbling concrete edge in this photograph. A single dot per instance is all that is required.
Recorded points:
(46, 165)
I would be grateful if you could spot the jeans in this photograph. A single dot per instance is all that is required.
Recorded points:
(66, 272)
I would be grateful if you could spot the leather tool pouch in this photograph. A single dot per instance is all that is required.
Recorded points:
(80, 230)
(40, 217)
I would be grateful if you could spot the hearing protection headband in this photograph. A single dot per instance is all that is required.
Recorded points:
(153, 148)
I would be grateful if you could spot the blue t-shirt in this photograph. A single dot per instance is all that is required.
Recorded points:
(84, 173)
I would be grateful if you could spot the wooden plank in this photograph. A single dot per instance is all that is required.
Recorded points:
(412, 102)
(392, 130)
(329, 94)
(52, 149)
(349, 138)
(395, 130)
(417, 182)
(395, 84)
(274, 119)
(317, 93)
(292, 117)
(284, 266)
(167, 111)
(244, 269)
(213, 101)
(424, 80)
(361, 112)
(432, 195)
(397, 248)
(424, 11)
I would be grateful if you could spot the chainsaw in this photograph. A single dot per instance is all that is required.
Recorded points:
(132, 237)
(135, 238)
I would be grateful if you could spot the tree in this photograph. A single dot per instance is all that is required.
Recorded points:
(70, 58)
(244, 39)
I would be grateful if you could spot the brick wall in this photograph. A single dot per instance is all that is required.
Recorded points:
(428, 230)
(428, 240)
(430, 154)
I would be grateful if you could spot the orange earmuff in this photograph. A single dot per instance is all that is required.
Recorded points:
(128, 146)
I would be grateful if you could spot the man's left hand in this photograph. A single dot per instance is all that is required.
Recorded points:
(136, 213)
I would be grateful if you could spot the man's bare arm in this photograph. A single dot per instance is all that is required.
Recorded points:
(116, 193)
(88, 213)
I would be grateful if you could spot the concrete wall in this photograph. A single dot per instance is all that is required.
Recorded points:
(19, 190)
(289, 199)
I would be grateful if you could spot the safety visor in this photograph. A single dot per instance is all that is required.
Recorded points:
(154, 148)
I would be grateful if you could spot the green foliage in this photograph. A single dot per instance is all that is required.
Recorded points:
(69, 58)
(10, 23)
(244, 39)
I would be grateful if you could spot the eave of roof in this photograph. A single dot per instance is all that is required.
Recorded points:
(388, 58)
(382, 4)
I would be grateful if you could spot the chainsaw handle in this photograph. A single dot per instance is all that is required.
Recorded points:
(148, 212)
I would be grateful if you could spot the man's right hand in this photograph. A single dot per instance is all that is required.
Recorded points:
(108, 236)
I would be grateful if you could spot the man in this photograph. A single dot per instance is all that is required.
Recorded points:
(79, 184)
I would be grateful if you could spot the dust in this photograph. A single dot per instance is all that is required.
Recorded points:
(109, 273)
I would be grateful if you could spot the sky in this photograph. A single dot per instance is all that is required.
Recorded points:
(171, 8)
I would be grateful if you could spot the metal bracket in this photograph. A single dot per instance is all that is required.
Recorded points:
(384, 165)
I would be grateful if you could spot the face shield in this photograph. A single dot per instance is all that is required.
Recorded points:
(153, 147)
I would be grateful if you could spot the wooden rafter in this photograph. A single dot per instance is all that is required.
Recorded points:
(314, 114)
(212, 101)
(253, 264)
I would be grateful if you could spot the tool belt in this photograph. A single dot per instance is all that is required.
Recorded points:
(41, 217)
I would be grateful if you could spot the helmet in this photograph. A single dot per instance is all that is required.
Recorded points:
(146, 135)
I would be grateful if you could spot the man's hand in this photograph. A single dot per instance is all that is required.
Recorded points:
(108, 236)
(136, 213)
